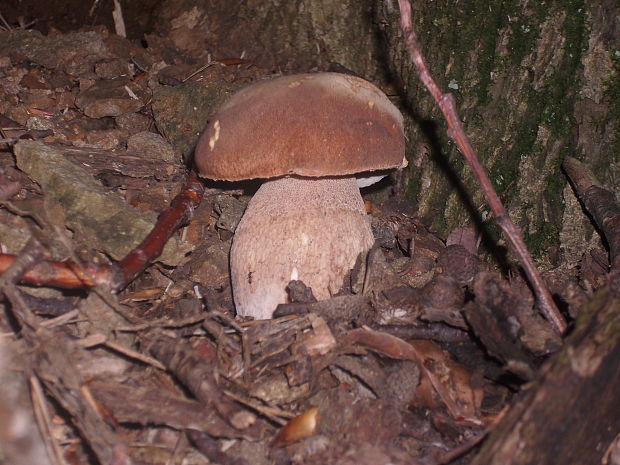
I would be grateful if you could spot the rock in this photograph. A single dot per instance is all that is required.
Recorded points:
(181, 112)
(107, 98)
(133, 122)
(111, 69)
(107, 139)
(103, 219)
(53, 50)
(209, 265)
(153, 145)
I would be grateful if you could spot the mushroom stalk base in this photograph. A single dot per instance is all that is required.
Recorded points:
(308, 229)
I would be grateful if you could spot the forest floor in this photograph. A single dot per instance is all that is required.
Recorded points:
(416, 360)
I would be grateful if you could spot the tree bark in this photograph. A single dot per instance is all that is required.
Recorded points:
(534, 81)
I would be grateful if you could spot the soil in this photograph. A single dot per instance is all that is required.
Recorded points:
(67, 16)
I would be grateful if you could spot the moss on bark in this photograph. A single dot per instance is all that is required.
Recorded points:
(535, 81)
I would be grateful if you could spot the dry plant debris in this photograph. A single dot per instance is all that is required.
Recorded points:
(414, 361)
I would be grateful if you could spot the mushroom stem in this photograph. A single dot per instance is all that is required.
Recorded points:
(295, 228)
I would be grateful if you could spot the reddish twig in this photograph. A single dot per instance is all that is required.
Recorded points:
(85, 276)
(179, 213)
(60, 274)
(457, 133)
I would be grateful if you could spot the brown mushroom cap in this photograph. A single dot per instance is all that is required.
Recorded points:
(324, 124)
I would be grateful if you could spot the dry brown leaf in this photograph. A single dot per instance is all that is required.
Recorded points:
(301, 427)
(450, 379)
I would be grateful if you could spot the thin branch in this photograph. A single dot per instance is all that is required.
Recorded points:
(179, 213)
(44, 421)
(70, 275)
(457, 133)
(600, 203)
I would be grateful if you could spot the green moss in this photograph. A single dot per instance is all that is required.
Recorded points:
(505, 171)
(611, 92)
(525, 32)
(543, 240)
(559, 91)
(505, 124)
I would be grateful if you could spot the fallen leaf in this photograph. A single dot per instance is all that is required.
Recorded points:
(301, 427)
(450, 379)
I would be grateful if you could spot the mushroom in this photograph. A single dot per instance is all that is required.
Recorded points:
(308, 135)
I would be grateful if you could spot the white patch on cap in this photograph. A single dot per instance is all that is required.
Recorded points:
(371, 105)
(213, 139)
(305, 240)
(294, 274)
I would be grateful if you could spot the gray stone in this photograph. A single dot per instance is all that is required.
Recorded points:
(103, 219)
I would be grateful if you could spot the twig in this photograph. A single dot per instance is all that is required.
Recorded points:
(61, 320)
(54, 362)
(163, 323)
(119, 22)
(100, 339)
(179, 213)
(273, 413)
(135, 355)
(457, 133)
(463, 448)
(198, 375)
(92, 7)
(29, 255)
(202, 68)
(71, 275)
(60, 274)
(245, 345)
(6, 24)
(448, 456)
(42, 414)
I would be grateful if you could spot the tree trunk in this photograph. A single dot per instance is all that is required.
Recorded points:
(535, 82)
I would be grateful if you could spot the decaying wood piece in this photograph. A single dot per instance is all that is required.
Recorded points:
(199, 376)
(569, 415)
(55, 362)
(149, 406)
(600, 203)
(494, 318)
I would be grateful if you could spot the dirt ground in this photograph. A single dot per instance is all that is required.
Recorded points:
(416, 360)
